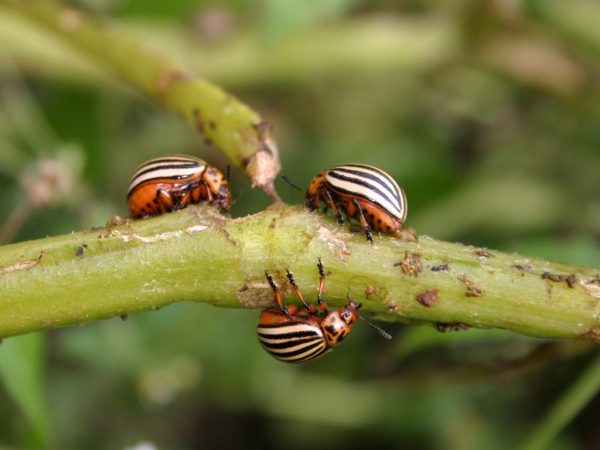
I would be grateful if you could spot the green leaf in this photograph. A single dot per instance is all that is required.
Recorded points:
(21, 372)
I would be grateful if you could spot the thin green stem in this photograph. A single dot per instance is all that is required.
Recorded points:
(233, 126)
(566, 408)
(198, 255)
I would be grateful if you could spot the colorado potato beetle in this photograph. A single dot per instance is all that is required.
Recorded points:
(294, 335)
(170, 183)
(363, 192)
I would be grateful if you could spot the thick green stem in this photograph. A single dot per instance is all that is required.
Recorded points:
(198, 255)
(234, 127)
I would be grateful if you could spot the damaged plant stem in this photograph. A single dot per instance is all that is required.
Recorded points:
(230, 124)
(198, 255)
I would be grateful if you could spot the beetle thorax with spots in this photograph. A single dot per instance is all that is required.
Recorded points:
(337, 325)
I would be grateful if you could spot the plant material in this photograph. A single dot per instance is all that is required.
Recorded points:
(199, 255)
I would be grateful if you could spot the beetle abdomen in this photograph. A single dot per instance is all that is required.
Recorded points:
(370, 183)
(170, 169)
(292, 341)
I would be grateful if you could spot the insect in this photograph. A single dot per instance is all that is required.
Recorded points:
(363, 192)
(293, 335)
(173, 182)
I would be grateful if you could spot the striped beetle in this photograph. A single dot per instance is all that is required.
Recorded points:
(363, 192)
(170, 183)
(293, 335)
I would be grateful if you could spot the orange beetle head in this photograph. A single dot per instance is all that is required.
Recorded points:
(338, 324)
(218, 186)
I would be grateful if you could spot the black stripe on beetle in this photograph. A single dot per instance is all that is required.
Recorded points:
(295, 335)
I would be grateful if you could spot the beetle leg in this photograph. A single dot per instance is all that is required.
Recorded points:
(209, 196)
(296, 289)
(165, 200)
(181, 201)
(334, 208)
(322, 305)
(363, 221)
(278, 294)
(194, 191)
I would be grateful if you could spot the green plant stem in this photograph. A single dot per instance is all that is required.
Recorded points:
(364, 45)
(566, 408)
(233, 126)
(198, 255)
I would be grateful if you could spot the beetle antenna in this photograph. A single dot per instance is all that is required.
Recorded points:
(229, 174)
(290, 182)
(384, 334)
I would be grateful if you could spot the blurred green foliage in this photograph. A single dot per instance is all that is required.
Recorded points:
(491, 126)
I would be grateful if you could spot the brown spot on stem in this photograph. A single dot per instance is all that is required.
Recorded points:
(198, 120)
(593, 334)
(21, 265)
(372, 291)
(228, 237)
(570, 279)
(411, 265)
(166, 78)
(115, 221)
(48, 322)
(263, 129)
(428, 298)
(453, 326)
(70, 19)
(392, 306)
(523, 267)
(484, 253)
(472, 289)
(440, 268)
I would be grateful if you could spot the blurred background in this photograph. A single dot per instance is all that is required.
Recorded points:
(486, 112)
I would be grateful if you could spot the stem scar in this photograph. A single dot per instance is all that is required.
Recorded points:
(334, 243)
(253, 294)
(128, 236)
(22, 265)
(592, 286)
